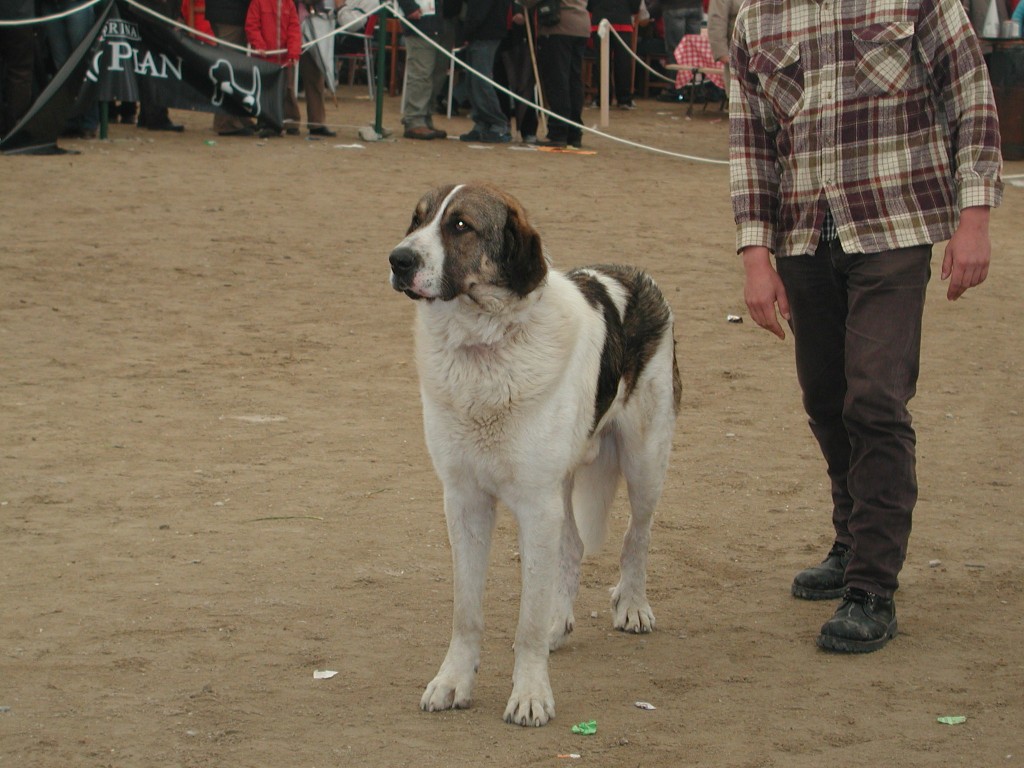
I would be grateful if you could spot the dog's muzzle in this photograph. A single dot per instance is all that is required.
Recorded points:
(405, 262)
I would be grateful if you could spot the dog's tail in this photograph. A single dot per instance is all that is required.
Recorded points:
(593, 491)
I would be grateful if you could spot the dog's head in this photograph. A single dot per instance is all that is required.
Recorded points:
(468, 240)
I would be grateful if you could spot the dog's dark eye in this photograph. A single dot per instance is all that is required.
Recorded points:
(461, 226)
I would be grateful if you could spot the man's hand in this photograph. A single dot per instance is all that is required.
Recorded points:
(763, 289)
(968, 252)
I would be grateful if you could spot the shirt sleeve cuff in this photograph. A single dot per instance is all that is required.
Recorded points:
(754, 233)
(980, 191)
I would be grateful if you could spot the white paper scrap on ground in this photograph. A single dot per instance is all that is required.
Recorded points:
(323, 674)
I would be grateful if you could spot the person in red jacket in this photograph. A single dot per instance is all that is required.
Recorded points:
(194, 14)
(272, 28)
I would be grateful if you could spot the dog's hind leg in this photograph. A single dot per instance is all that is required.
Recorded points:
(593, 492)
(644, 457)
(568, 585)
(470, 516)
(589, 495)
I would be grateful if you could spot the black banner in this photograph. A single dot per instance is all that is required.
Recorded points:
(130, 55)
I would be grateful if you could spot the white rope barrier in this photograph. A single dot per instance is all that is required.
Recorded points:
(637, 59)
(550, 114)
(51, 17)
(361, 20)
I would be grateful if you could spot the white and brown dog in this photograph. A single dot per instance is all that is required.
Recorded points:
(540, 389)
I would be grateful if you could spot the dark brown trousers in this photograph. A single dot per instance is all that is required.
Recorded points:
(856, 321)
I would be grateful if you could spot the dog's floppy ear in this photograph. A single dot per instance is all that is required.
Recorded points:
(522, 257)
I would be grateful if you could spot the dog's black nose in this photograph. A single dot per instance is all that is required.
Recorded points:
(404, 260)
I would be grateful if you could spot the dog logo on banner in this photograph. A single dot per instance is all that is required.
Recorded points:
(224, 83)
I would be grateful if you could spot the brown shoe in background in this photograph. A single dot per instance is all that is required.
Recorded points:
(422, 132)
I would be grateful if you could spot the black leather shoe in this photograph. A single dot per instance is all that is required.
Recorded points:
(863, 622)
(166, 126)
(322, 130)
(824, 581)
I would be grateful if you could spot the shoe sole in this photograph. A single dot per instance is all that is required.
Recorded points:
(805, 593)
(845, 645)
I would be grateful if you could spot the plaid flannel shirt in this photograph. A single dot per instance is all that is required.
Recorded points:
(878, 110)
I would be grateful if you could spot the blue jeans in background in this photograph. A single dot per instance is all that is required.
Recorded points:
(486, 112)
(679, 22)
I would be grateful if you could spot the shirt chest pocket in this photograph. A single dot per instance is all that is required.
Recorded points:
(883, 58)
(780, 72)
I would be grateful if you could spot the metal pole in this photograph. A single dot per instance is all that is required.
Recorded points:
(382, 36)
(603, 35)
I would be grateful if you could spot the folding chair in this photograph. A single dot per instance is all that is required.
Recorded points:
(354, 59)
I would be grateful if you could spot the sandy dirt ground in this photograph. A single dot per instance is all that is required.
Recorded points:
(213, 479)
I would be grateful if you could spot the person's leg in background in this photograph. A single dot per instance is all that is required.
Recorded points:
(16, 62)
(64, 36)
(622, 68)
(577, 47)
(489, 121)
(553, 62)
(313, 85)
(419, 89)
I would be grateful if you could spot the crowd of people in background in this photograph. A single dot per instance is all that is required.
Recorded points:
(491, 36)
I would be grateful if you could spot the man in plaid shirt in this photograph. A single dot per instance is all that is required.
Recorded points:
(861, 132)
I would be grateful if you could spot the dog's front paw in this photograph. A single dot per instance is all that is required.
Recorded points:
(530, 707)
(445, 692)
(631, 613)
